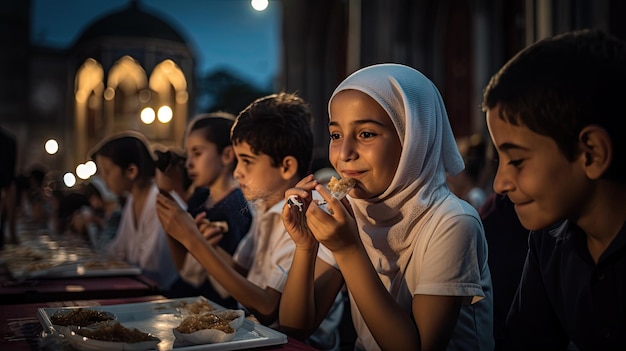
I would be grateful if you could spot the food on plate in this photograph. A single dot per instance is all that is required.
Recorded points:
(218, 320)
(339, 188)
(212, 327)
(40, 266)
(115, 332)
(196, 307)
(80, 317)
(104, 264)
(23, 253)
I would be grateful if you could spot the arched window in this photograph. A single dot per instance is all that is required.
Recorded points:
(127, 79)
(90, 121)
(169, 89)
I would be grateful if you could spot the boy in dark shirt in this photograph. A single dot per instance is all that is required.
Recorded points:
(555, 112)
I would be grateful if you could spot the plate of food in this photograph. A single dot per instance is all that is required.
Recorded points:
(158, 319)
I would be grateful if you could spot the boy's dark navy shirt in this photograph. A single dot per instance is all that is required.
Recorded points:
(564, 295)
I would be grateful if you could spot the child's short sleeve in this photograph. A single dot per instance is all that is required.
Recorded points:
(453, 261)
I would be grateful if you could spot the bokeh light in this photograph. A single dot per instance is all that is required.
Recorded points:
(259, 5)
(69, 179)
(51, 146)
(86, 170)
(91, 167)
(165, 114)
(147, 115)
(81, 172)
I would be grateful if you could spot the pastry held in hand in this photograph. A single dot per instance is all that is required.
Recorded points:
(339, 188)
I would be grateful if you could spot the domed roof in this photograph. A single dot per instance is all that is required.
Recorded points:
(131, 22)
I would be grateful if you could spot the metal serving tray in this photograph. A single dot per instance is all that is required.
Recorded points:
(160, 317)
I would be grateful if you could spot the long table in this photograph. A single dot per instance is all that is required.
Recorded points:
(21, 330)
(45, 290)
(47, 267)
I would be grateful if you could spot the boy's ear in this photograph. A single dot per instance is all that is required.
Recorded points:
(289, 167)
(132, 171)
(228, 155)
(597, 150)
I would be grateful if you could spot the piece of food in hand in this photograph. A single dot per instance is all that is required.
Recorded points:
(339, 188)
(220, 224)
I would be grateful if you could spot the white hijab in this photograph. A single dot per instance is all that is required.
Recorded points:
(390, 223)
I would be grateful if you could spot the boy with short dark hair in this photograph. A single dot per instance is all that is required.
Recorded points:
(273, 142)
(555, 114)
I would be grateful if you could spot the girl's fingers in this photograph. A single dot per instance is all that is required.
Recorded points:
(200, 217)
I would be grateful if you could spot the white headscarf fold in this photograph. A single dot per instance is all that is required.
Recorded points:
(389, 223)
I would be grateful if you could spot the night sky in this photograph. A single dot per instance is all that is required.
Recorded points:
(223, 33)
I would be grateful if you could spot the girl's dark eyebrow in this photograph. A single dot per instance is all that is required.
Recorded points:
(359, 122)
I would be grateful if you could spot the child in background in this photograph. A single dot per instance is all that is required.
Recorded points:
(555, 114)
(126, 165)
(100, 219)
(412, 254)
(273, 142)
(210, 163)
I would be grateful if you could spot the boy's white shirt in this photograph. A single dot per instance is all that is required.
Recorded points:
(267, 250)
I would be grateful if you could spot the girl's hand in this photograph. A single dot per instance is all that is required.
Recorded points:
(176, 222)
(336, 229)
(211, 233)
(294, 213)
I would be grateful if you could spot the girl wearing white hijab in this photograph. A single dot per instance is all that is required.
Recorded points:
(412, 255)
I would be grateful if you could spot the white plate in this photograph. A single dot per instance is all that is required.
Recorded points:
(159, 318)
